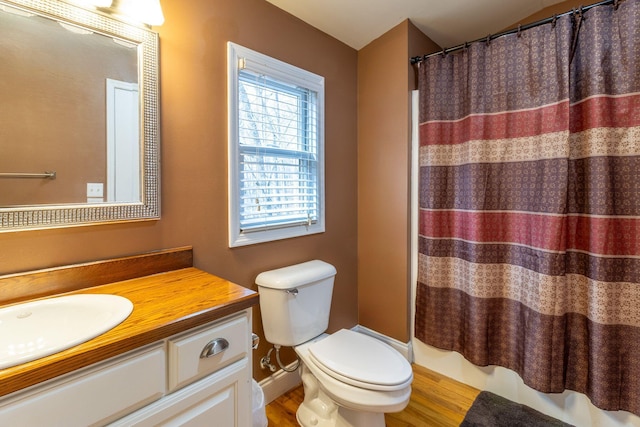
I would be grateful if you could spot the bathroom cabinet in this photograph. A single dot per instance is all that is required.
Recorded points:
(214, 390)
(196, 377)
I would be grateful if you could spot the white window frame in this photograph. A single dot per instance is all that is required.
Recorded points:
(237, 57)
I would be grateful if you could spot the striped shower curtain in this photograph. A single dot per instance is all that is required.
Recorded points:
(529, 239)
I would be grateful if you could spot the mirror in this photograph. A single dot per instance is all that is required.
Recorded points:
(78, 117)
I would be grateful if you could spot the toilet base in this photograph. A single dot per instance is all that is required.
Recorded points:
(342, 417)
(319, 410)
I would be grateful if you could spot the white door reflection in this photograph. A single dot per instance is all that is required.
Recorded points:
(123, 136)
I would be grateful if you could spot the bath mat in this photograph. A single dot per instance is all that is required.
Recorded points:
(491, 410)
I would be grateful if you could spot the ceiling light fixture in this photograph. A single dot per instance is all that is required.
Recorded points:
(146, 11)
(93, 3)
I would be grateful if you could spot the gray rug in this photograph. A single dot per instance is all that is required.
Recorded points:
(491, 410)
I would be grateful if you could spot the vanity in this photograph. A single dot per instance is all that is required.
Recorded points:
(182, 357)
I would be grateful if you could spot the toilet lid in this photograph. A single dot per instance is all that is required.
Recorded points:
(360, 360)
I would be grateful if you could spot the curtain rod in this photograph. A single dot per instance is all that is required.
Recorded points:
(418, 59)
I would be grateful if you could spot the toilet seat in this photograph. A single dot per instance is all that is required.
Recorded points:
(361, 361)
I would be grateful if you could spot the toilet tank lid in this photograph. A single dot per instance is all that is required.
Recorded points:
(295, 275)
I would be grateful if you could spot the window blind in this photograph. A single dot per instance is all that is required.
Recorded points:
(278, 153)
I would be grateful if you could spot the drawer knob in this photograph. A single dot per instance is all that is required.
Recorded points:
(214, 347)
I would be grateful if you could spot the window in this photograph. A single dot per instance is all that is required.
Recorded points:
(276, 149)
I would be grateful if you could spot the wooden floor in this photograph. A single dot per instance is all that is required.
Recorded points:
(436, 401)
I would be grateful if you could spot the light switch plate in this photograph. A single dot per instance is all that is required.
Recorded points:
(94, 189)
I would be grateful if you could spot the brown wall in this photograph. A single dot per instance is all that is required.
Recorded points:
(45, 70)
(385, 79)
(194, 157)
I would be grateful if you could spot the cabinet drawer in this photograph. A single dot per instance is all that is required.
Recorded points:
(223, 343)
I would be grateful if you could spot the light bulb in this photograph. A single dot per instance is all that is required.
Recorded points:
(146, 11)
(93, 3)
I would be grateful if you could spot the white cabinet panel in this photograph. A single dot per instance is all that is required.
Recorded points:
(213, 401)
(228, 340)
(92, 396)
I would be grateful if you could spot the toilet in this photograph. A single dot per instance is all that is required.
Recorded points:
(349, 379)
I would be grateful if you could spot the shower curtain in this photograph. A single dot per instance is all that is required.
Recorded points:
(529, 204)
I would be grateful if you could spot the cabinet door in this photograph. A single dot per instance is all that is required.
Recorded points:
(90, 397)
(216, 400)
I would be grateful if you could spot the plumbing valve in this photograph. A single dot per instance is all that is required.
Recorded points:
(265, 362)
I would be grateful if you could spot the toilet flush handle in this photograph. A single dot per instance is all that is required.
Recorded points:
(292, 291)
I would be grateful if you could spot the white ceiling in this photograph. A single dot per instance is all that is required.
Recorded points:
(447, 22)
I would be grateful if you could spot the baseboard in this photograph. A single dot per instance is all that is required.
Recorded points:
(279, 383)
(405, 349)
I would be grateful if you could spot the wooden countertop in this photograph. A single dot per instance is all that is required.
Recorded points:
(165, 304)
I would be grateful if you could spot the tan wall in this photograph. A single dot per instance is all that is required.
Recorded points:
(385, 79)
(194, 157)
(45, 70)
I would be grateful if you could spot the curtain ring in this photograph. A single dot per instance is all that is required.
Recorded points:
(553, 21)
(616, 3)
(488, 41)
(519, 30)
(577, 24)
(444, 52)
(579, 16)
(466, 46)
(576, 15)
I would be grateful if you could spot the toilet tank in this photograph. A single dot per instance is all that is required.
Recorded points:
(295, 301)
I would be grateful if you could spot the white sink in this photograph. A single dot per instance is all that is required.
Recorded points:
(35, 329)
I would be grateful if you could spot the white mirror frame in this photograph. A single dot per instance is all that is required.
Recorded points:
(54, 216)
